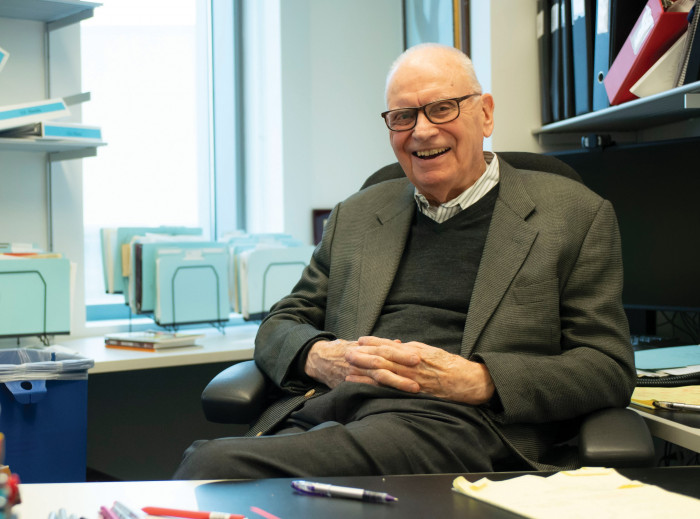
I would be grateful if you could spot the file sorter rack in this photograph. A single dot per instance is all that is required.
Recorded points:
(219, 323)
(261, 315)
(43, 335)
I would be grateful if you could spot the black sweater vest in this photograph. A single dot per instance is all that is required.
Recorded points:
(429, 298)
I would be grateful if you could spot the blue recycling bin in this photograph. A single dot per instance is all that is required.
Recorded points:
(43, 414)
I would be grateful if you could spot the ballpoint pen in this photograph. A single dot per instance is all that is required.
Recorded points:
(677, 406)
(189, 514)
(323, 489)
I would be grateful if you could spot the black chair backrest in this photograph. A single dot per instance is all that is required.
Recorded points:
(517, 159)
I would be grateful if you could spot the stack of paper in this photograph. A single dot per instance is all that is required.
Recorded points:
(665, 362)
(588, 492)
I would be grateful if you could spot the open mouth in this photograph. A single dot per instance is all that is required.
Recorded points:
(430, 154)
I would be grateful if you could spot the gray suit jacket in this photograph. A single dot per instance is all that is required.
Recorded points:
(545, 316)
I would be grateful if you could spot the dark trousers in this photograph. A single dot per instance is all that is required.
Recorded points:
(355, 430)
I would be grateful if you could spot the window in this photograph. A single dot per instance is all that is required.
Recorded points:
(146, 64)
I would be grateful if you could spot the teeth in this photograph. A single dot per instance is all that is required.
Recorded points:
(430, 153)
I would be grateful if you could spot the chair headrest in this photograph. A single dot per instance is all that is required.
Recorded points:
(518, 159)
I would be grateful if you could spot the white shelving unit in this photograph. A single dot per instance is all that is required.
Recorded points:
(671, 114)
(55, 14)
(58, 12)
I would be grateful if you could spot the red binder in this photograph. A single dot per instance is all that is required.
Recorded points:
(652, 35)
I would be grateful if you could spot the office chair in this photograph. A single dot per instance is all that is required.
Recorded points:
(612, 437)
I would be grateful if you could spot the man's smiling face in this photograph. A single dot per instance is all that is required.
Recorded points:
(441, 160)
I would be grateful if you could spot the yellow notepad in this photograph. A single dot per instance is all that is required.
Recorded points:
(645, 396)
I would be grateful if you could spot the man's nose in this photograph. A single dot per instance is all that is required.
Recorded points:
(423, 125)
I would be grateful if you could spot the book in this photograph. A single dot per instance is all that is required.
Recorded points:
(56, 131)
(152, 339)
(12, 116)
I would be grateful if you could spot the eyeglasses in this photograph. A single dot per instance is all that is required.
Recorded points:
(437, 112)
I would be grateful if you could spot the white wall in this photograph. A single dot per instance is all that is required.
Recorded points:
(23, 174)
(312, 126)
(504, 50)
(333, 60)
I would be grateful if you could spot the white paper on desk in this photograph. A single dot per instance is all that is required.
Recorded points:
(588, 492)
(682, 371)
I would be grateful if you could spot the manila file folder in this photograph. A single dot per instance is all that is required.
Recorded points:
(269, 274)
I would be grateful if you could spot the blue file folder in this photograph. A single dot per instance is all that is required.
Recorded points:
(192, 286)
(34, 296)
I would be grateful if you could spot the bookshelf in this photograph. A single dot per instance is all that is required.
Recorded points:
(55, 14)
(672, 114)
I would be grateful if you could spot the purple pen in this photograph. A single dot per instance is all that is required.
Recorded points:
(323, 489)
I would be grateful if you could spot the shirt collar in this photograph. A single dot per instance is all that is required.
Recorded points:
(468, 197)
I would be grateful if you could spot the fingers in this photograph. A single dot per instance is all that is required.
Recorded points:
(390, 350)
(384, 378)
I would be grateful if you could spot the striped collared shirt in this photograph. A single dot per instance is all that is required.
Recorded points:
(470, 196)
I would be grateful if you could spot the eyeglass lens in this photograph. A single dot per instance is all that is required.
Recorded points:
(437, 112)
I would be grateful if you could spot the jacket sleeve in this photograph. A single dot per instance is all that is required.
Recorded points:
(297, 321)
(594, 365)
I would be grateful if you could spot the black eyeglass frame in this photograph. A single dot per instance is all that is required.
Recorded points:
(417, 109)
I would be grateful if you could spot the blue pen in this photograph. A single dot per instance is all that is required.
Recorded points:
(322, 489)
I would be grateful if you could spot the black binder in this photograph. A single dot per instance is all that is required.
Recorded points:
(690, 66)
(543, 43)
(567, 59)
(556, 74)
(582, 25)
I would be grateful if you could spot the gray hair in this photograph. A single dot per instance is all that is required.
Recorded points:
(461, 58)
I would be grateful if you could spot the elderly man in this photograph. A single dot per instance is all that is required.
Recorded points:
(460, 319)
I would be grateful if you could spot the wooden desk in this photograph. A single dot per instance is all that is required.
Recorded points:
(679, 427)
(144, 408)
(419, 496)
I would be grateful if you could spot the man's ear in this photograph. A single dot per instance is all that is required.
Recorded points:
(487, 107)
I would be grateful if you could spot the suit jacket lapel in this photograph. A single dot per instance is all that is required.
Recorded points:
(382, 251)
(508, 243)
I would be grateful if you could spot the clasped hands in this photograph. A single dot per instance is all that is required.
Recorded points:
(413, 367)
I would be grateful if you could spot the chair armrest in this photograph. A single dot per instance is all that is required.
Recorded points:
(615, 437)
(237, 395)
